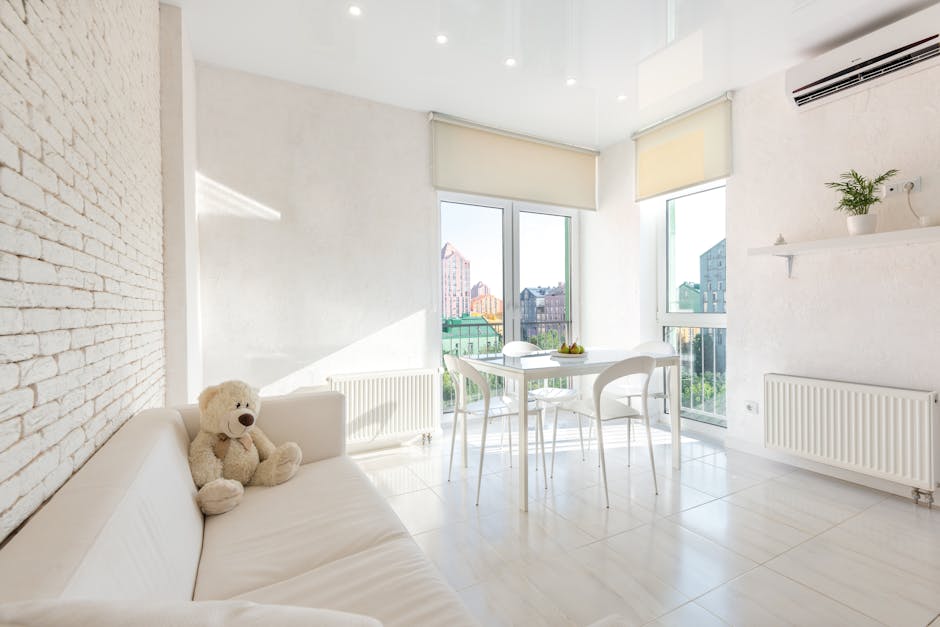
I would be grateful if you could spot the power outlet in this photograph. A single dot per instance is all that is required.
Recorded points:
(752, 407)
(897, 187)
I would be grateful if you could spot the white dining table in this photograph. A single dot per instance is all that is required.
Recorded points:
(545, 365)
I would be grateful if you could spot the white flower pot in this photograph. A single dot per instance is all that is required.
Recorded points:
(862, 225)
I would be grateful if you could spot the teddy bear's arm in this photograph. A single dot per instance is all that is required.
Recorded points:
(203, 463)
(263, 443)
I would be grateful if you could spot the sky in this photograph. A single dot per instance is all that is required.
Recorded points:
(475, 232)
(700, 224)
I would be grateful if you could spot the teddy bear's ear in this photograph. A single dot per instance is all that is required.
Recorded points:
(207, 395)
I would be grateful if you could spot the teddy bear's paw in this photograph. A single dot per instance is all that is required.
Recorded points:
(219, 496)
(288, 458)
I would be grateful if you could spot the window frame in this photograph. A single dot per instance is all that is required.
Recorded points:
(512, 306)
(664, 317)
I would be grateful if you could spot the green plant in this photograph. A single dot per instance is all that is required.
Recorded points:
(858, 193)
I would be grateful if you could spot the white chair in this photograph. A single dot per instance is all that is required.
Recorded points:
(625, 389)
(548, 396)
(603, 408)
(461, 371)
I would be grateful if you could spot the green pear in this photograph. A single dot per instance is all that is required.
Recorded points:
(564, 348)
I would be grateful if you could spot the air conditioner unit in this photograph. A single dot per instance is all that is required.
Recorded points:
(914, 40)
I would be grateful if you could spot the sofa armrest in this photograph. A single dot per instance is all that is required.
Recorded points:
(316, 421)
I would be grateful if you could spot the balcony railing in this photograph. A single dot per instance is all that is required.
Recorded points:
(480, 337)
(702, 367)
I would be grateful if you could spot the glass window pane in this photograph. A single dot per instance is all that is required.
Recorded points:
(696, 270)
(543, 279)
(702, 367)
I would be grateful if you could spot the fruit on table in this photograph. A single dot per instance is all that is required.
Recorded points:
(564, 348)
(573, 349)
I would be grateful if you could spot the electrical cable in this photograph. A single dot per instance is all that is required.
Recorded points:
(909, 187)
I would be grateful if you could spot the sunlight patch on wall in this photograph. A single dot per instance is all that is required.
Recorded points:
(214, 198)
(399, 346)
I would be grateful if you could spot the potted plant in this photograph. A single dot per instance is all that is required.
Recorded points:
(858, 196)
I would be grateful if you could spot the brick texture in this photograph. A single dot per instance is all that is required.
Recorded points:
(81, 228)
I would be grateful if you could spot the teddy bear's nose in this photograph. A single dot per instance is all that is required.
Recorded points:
(246, 419)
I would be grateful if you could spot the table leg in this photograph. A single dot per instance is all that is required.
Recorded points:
(675, 409)
(523, 443)
(463, 438)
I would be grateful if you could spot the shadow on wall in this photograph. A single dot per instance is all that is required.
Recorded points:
(370, 425)
(214, 198)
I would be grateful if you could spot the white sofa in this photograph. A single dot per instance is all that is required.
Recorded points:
(126, 528)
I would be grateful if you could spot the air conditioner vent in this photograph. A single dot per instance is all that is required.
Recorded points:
(862, 73)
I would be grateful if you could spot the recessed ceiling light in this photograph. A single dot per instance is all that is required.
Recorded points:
(441, 39)
(571, 81)
(621, 97)
(510, 62)
(355, 10)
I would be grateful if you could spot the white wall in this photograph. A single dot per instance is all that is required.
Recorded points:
(869, 316)
(181, 243)
(81, 237)
(610, 256)
(318, 233)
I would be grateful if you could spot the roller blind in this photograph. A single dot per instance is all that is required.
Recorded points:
(476, 160)
(687, 150)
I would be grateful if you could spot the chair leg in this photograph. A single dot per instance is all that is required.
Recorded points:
(580, 436)
(629, 439)
(453, 439)
(554, 439)
(509, 435)
(541, 436)
(603, 462)
(649, 440)
(482, 450)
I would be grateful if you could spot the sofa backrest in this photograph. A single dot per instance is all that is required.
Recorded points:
(125, 526)
(314, 420)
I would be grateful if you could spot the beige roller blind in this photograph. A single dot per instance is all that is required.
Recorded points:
(471, 159)
(689, 149)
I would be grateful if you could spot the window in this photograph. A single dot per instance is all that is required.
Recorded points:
(692, 297)
(514, 280)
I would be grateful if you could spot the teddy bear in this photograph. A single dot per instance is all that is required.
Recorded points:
(230, 450)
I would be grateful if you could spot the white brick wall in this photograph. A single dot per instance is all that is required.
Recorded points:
(81, 261)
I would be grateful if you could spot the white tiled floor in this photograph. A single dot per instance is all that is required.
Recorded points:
(730, 539)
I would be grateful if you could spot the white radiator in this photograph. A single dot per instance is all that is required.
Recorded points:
(882, 432)
(385, 408)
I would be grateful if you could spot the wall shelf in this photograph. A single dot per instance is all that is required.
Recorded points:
(855, 242)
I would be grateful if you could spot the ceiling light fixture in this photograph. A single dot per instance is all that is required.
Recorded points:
(355, 10)
(571, 81)
(621, 97)
(510, 62)
(441, 39)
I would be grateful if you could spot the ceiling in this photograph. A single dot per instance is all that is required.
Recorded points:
(635, 61)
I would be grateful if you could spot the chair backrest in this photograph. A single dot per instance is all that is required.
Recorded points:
(460, 371)
(657, 347)
(518, 349)
(640, 365)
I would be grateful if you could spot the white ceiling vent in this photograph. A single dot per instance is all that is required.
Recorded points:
(912, 41)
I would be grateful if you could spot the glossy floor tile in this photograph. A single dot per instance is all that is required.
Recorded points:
(731, 538)
(763, 597)
(748, 533)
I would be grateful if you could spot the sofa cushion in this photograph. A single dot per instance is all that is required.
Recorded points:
(392, 581)
(84, 612)
(327, 511)
(125, 526)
